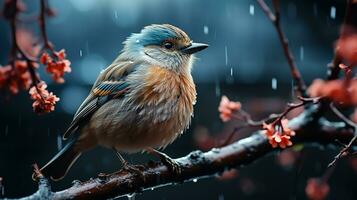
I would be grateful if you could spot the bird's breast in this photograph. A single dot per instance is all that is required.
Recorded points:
(156, 109)
(163, 94)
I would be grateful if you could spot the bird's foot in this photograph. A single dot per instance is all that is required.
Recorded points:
(128, 167)
(132, 168)
(173, 165)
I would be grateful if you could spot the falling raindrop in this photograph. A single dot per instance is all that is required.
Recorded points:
(205, 30)
(333, 12)
(274, 83)
(59, 142)
(301, 53)
(231, 71)
(226, 54)
(116, 14)
(195, 180)
(80, 53)
(251, 9)
(218, 89)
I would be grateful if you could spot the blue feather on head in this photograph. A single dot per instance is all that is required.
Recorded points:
(154, 34)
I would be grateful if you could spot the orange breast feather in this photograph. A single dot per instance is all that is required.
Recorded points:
(164, 86)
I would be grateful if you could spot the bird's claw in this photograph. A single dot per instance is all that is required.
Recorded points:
(170, 163)
(133, 169)
(173, 165)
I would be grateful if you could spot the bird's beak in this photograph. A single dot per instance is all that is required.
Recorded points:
(194, 47)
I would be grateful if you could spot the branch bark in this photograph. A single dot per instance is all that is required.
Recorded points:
(198, 164)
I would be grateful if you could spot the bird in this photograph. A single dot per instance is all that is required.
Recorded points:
(141, 102)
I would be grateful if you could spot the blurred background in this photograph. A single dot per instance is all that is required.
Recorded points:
(244, 61)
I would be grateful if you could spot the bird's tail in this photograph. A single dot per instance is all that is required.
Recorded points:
(58, 167)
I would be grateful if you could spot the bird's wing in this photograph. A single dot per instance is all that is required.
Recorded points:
(110, 84)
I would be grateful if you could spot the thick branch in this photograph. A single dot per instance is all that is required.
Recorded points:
(202, 165)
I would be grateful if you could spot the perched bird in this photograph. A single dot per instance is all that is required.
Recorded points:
(141, 102)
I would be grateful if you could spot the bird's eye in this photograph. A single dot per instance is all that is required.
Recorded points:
(168, 45)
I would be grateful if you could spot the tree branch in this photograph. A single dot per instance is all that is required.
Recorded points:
(199, 164)
(275, 19)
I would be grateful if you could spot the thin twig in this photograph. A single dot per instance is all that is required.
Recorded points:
(347, 149)
(342, 116)
(42, 23)
(273, 118)
(292, 106)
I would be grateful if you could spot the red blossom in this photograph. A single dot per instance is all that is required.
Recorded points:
(316, 189)
(280, 140)
(45, 58)
(346, 48)
(56, 65)
(44, 101)
(61, 54)
(227, 108)
(15, 78)
(286, 129)
(279, 134)
(338, 91)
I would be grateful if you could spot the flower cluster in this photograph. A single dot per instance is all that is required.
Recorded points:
(316, 189)
(56, 65)
(44, 101)
(278, 133)
(21, 72)
(227, 108)
(15, 77)
(336, 90)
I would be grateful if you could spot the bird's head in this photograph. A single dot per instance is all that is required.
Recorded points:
(164, 45)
